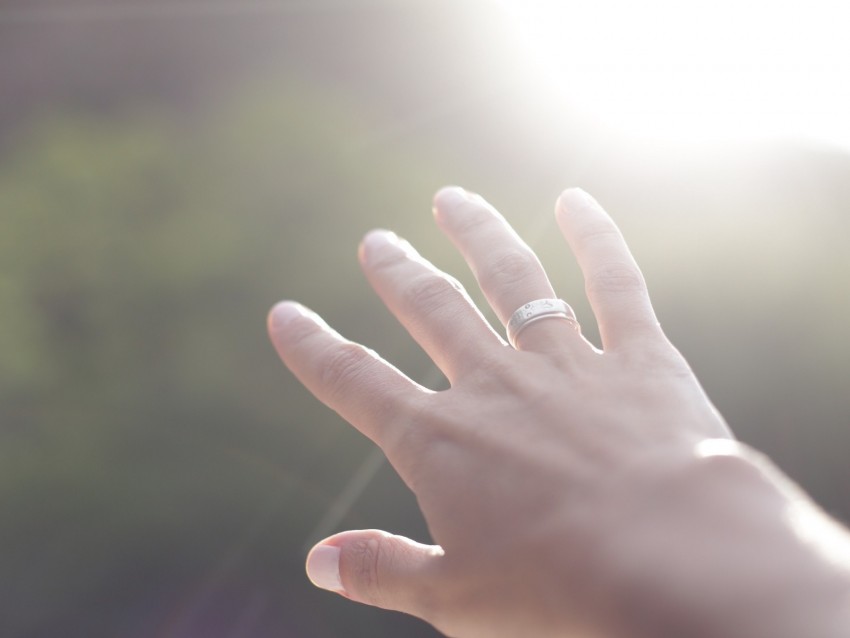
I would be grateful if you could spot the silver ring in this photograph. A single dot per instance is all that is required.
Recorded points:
(535, 311)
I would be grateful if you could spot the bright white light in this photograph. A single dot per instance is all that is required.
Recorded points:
(724, 70)
(822, 533)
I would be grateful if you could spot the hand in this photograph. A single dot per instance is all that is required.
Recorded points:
(533, 468)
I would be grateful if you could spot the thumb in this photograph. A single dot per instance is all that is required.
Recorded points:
(377, 568)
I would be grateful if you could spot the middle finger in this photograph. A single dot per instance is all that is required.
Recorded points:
(433, 307)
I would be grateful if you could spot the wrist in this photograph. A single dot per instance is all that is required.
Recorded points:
(722, 545)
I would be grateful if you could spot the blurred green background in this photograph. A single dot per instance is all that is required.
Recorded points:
(168, 171)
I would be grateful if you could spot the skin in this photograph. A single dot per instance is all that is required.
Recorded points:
(571, 491)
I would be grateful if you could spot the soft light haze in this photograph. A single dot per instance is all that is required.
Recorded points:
(696, 72)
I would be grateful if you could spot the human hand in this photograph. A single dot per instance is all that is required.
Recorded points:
(532, 463)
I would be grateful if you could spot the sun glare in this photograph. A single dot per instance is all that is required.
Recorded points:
(726, 70)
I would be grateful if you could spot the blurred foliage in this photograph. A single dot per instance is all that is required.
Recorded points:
(159, 474)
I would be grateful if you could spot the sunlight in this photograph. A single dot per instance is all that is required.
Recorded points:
(729, 70)
(811, 525)
(822, 533)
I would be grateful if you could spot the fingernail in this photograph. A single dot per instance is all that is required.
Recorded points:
(575, 197)
(375, 240)
(450, 196)
(378, 238)
(285, 312)
(323, 568)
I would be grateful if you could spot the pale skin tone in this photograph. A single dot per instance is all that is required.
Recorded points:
(570, 490)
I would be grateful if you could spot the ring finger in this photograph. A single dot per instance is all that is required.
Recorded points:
(508, 271)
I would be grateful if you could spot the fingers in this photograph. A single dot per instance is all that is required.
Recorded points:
(431, 305)
(614, 284)
(364, 389)
(508, 271)
(377, 568)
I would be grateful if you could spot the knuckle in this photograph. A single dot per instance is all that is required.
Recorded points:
(660, 357)
(615, 277)
(373, 564)
(655, 359)
(415, 446)
(470, 216)
(508, 269)
(344, 364)
(386, 260)
(367, 558)
(493, 368)
(300, 332)
(598, 231)
(408, 439)
(668, 359)
(516, 381)
(429, 292)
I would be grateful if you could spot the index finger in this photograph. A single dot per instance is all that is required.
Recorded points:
(364, 389)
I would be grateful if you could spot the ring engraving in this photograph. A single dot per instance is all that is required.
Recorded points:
(534, 311)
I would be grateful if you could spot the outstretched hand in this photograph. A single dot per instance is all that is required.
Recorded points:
(532, 468)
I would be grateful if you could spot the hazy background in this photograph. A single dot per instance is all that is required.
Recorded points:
(169, 170)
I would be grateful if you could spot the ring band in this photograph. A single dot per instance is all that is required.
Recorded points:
(536, 310)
